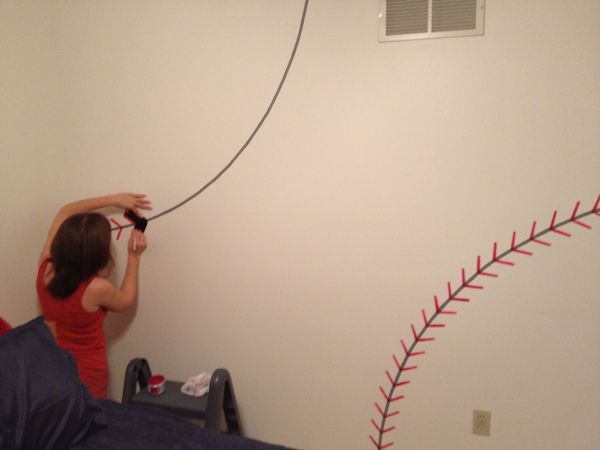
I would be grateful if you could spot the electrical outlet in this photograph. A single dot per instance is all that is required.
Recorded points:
(482, 422)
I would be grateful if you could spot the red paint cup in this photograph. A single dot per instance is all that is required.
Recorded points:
(156, 385)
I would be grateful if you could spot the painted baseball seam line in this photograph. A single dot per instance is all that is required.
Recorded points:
(248, 140)
(390, 399)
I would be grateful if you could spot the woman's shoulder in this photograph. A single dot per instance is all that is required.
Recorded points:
(45, 271)
(44, 264)
(95, 293)
(99, 286)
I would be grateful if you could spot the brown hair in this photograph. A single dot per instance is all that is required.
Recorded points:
(80, 249)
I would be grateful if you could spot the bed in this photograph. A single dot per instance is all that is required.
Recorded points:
(43, 405)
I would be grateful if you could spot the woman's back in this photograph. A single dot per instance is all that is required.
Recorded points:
(78, 331)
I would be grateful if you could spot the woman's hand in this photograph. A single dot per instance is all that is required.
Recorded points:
(134, 202)
(137, 243)
(123, 298)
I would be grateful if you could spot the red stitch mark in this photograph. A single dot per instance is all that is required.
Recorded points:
(395, 384)
(428, 322)
(480, 272)
(382, 430)
(464, 281)
(596, 211)
(380, 447)
(385, 415)
(553, 228)
(399, 366)
(118, 225)
(420, 339)
(409, 354)
(389, 398)
(451, 297)
(515, 249)
(440, 310)
(533, 239)
(574, 219)
(496, 259)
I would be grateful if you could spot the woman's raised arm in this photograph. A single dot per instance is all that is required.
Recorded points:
(125, 200)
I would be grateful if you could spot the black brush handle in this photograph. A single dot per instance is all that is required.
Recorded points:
(139, 223)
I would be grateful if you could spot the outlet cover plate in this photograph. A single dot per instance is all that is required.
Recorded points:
(482, 422)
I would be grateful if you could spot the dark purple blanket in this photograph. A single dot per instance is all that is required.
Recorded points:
(140, 427)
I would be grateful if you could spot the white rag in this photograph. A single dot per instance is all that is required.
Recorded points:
(197, 385)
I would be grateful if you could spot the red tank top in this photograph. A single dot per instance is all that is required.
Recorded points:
(78, 331)
(4, 326)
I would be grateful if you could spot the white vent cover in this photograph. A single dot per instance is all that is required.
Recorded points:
(423, 19)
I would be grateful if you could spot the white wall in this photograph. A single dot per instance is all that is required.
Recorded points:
(382, 170)
(32, 151)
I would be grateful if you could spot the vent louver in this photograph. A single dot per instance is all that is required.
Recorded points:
(422, 19)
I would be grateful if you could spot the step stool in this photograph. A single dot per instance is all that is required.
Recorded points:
(219, 402)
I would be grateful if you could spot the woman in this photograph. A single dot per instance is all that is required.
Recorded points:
(72, 287)
(4, 326)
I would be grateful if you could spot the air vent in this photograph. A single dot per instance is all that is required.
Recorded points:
(423, 19)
